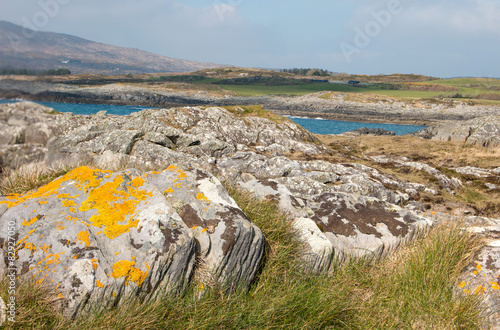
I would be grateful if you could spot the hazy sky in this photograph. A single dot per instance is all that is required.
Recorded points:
(440, 38)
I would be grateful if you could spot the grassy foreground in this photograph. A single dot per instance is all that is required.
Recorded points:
(414, 288)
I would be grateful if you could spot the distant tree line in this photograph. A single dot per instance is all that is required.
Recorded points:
(308, 72)
(25, 72)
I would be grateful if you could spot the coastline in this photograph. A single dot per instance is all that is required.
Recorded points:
(313, 105)
(354, 118)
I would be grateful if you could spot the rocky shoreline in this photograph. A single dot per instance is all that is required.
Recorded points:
(171, 211)
(172, 222)
(335, 106)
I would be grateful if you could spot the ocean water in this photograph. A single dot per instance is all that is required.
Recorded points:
(88, 109)
(317, 126)
(325, 126)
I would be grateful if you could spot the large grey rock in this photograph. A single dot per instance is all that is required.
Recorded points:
(229, 246)
(25, 128)
(352, 205)
(97, 237)
(482, 276)
(483, 131)
(12, 156)
(202, 133)
(11, 134)
(354, 225)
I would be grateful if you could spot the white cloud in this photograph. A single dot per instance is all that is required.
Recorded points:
(462, 16)
(425, 35)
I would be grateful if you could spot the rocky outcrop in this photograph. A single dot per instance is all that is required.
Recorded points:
(482, 276)
(97, 237)
(156, 137)
(444, 181)
(340, 211)
(25, 129)
(483, 131)
(352, 206)
(369, 131)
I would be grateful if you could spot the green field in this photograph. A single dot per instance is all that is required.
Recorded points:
(481, 90)
(299, 89)
(255, 82)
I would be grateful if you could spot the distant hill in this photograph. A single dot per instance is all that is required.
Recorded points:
(25, 49)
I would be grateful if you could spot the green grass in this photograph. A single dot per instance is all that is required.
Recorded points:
(265, 82)
(472, 87)
(23, 179)
(299, 89)
(479, 89)
(414, 288)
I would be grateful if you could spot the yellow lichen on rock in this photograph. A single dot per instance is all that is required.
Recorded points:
(68, 203)
(29, 223)
(19, 243)
(82, 175)
(202, 197)
(45, 248)
(113, 206)
(479, 290)
(137, 182)
(30, 246)
(52, 258)
(83, 237)
(87, 177)
(127, 269)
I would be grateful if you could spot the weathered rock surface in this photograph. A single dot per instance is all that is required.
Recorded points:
(482, 276)
(444, 181)
(351, 204)
(98, 236)
(156, 137)
(347, 224)
(25, 129)
(483, 131)
(339, 210)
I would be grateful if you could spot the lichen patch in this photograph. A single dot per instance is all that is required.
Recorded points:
(127, 270)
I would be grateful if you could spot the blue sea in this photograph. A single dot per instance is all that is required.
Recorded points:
(317, 126)
(87, 109)
(324, 126)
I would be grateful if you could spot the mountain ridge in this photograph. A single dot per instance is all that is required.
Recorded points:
(36, 50)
